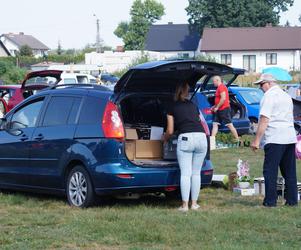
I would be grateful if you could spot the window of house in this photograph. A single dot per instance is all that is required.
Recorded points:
(271, 58)
(226, 59)
(249, 63)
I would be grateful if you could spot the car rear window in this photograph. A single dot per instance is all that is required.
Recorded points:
(61, 110)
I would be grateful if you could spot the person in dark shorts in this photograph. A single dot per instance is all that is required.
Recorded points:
(221, 108)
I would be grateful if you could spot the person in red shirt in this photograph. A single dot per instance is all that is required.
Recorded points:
(221, 108)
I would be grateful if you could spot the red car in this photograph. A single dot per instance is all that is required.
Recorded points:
(3, 108)
(34, 81)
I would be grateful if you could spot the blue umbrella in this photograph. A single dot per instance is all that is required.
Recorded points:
(279, 73)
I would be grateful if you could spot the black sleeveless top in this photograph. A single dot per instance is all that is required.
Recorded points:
(186, 117)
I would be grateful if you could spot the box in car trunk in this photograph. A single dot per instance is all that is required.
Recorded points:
(149, 149)
(142, 149)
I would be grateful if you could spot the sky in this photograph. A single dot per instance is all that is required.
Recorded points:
(73, 23)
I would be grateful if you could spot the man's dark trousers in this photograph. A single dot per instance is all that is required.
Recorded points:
(282, 155)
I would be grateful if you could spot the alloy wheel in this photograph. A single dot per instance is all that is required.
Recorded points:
(78, 189)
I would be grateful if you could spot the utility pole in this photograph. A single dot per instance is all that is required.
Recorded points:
(97, 35)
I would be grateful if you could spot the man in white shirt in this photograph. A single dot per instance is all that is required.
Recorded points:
(276, 134)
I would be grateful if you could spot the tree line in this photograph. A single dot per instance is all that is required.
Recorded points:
(201, 13)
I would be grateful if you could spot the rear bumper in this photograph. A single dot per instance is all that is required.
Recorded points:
(119, 178)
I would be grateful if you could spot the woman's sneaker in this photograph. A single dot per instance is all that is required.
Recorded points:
(195, 207)
(183, 209)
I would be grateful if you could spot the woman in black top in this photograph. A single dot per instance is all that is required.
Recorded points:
(191, 147)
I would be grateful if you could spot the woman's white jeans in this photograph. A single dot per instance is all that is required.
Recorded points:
(191, 152)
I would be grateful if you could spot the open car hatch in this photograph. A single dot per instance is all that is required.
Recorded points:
(164, 76)
(37, 80)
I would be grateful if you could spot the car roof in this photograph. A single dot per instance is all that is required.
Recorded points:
(77, 89)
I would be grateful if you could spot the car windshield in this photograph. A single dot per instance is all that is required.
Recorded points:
(251, 96)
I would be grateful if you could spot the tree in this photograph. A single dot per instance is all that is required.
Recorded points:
(287, 24)
(235, 13)
(59, 48)
(143, 14)
(25, 50)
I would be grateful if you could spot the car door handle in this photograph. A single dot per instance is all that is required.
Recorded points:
(39, 137)
(24, 138)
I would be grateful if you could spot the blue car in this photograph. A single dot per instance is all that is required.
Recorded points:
(239, 112)
(250, 98)
(75, 140)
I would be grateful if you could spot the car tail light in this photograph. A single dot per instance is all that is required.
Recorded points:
(204, 124)
(112, 123)
(207, 111)
(125, 176)
(208, 172)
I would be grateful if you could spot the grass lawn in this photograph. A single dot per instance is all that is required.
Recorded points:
(226, 221)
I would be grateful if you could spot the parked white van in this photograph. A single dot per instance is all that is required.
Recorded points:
(70, 78)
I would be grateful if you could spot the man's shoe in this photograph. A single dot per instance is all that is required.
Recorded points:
(269, 205)
(291, 204)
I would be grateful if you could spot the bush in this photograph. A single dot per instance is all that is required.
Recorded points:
(9, 73)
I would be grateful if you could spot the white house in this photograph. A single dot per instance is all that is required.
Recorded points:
(13, 43)
(3, 51)
(173, 41)
(110, 61)
(254, 48)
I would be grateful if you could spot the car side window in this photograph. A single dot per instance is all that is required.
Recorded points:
(27, 115)
(61, 110)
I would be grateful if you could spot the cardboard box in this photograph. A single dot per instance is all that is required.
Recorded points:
(149, 149)
(130, 149)
(131, 134)
(244, 191)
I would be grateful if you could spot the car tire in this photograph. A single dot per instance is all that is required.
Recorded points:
(79, 188)
(253, 126)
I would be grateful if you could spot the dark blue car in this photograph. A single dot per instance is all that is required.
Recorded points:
(71, 140)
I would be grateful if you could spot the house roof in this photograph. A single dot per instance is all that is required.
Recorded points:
(22, 39)
(252, 38)
(4, 48)
(172, 37)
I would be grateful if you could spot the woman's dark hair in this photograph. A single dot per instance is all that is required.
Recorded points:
(182, 91)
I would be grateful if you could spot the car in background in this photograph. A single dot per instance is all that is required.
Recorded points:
(38, 80)
(251, 98)
(3, 107)
(108, 78)
(72, 78)
(239, 112)
(73, 140)
(11, 95)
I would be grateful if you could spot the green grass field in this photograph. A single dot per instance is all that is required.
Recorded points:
(225, 221)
